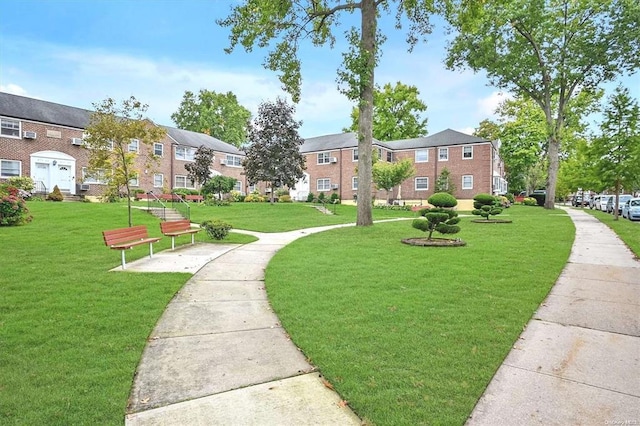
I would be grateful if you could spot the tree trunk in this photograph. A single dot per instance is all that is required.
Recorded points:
(365, 122)
(552, 179)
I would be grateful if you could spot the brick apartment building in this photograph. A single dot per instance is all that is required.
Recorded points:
(43, 140)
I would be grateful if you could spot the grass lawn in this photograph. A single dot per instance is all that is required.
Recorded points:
(628, 231)
(413, 335)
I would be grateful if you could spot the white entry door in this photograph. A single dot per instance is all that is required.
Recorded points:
(65, 178)
(41, 173)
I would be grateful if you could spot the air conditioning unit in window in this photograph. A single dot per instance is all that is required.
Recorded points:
(333, 160)
(77, 141)
(29, 135)
(223, 161)
(335, 186)
(84, 187)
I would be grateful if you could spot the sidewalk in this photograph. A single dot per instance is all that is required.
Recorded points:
(578, 361)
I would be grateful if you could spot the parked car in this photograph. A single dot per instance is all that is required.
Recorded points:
(604, 199)
(621, 200)
(577, 201)
(594, 202)
(631, 209)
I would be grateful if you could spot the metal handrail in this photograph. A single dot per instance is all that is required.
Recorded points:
(152, 203)
(180, 205)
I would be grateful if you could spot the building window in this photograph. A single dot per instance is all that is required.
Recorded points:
(238, 186)
(422, 156)
(354, 183)
(9, 128)
(158, 149)
(390, 156)
(233, 160)
(134, 145)
(422, 183)
(467, 152)
(185, 153)
(467, 182)
(379, 153)
(183, 182)
(324, 184)
(355, 154)
(324, 157)
(158, 180)
(97, 176)
(252, 188)
(135, 181)
(443, 154)
(10, 168)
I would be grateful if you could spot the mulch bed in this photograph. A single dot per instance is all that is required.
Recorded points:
(434, 242)
(491, 221)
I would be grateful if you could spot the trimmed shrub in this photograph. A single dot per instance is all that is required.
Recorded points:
(529, 201)
(509, 196)
(216, 229)
(21, 182)
(540, 198)
(236, 196)
(284, 198)
(310, 197)
(486, 205)
(56, 195)
(438, 219)
(335, 198)
(443, 200)
(322, 197)
(13, 209)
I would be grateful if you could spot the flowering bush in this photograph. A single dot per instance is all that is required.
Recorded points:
(13, 209)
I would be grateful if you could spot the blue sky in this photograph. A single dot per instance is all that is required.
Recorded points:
(78, 53)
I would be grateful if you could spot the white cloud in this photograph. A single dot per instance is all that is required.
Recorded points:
(487, 105)
(13, 89)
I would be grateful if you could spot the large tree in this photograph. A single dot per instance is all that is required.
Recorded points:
(548, 51)
(616, 151)
(216, 114)
(274, 154)
(388, 175)
(259, 22)
(396, 113)
(114, 139)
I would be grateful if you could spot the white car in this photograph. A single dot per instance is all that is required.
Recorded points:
(631, 209)
(604, 199)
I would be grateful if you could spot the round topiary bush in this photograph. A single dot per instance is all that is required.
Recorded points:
(443, 200)
(441, 219)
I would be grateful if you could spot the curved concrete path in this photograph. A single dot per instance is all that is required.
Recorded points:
(219, 356)
(578, 360)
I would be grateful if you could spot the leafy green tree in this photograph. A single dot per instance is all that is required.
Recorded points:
(113, 154)
(219, 184)
(396, 113)
(274, 152)
(548, 51)
(444, 183)
(259, 22)
(200, 170)
(216, 114)
(388, 175)
(616, 151)
(488, 130)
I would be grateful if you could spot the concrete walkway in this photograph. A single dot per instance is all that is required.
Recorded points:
(219, 356)
(578, 360)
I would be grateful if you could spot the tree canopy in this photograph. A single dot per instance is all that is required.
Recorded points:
(200, 170)
(274, 154)
(114, 138)
(388, 175)
(261, 22)
(216, 114)
(396, 113)
(548, 51)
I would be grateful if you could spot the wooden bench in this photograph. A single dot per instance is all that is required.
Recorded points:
(126, 238)
(194, 198)
(175, 228)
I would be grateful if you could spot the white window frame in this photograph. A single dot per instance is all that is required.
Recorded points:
(469, 179)
(324, 157)
(157, 145)
(186, 183)
(470, 152)
(135, 181)
(354, 154)
(101, 179)
(134, 145)
(157, 176)
(323, 184)
(185, 153)
(233, 160)
(444, 157)
(4, 170)
(8, 125)
(426, 156)
(251, 188)
(354, 183)
(237, 186)
(421, 178)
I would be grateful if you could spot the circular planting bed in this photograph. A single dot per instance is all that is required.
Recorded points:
(434, 242)
(491, 221)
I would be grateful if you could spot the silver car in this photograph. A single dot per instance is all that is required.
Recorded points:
(602, 205)
(621, 200)
(631, 209)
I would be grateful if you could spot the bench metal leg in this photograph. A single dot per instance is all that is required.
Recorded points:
(193, 240)
(150, 249)
(173, 243)
(124, 263)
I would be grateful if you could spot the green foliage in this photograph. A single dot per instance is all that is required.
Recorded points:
(215, 114)
(335, 198)
(21, 182)
(55, 195)
(438, 219)
(322, 197)
(200, 169)
(444, 183)
(509, 196)
(310, 197)
(13, 209)
(216, 229)
(219, 185)
(388, 175)
(236, 196)
(255, 197)
(529, 201)
(442, 199)
(274, 154)
(284, 198)
(396, 113)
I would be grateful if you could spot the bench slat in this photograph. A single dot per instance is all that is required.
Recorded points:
(175, 228)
